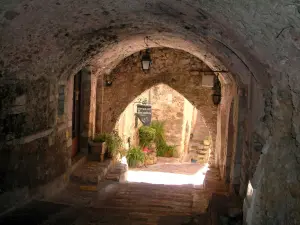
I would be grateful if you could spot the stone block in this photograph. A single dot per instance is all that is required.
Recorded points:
(185, 61)
(20, 100)
(18, 109)
(206, 142)
(208, 81)
(194, 73)
(206, 147)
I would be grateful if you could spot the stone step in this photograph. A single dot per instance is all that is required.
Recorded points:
(112, 202)
(197, 139)
(198, 154)
(90, 173)
(117, 173)
(196, 146)
(200, 147)
(199, 151)
(124, 216)
(197, 142)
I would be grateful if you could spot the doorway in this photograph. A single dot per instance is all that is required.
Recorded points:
(230, 143)
(76, 114)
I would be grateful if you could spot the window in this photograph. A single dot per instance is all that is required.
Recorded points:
(61, 100)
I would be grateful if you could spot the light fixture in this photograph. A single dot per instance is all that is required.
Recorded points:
(108, 80)
(146, 60)
(216, 97)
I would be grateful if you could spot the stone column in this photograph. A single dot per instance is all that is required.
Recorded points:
(239, 115)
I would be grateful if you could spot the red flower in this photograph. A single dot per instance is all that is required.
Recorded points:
(146, 149)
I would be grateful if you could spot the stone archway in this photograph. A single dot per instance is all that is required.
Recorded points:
(169, 107)
(44, 42)
(177, 69)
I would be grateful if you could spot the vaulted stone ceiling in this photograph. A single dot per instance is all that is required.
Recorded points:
(60, 35)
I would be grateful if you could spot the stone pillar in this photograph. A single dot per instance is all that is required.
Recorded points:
(239, 115)
(252, 200)
(222, 129)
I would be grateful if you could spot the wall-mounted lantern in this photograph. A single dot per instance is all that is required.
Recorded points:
(146, 60)
(217, 96)
(108, 80)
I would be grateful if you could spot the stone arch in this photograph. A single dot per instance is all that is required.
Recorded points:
(171, 68)
(168, 106)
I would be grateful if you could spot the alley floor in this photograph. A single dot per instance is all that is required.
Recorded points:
(137, 203)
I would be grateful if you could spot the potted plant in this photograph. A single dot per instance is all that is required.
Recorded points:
(114, 144)
(135, 157)
(146, 136)
(98, 145)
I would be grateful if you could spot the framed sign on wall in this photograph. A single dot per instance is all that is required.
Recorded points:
(144, 113)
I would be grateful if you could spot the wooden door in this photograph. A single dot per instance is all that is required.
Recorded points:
(76, 114)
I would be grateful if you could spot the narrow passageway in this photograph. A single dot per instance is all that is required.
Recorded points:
(155, 155)
(132, 202)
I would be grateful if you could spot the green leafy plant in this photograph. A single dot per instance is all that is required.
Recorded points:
(146, 135)
(166, 150)
(163, 149)
(134, 156)
(114, 143)
(100, 137)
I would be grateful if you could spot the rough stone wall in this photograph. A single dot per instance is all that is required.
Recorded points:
(33, 137)
(127, 124)
(168, 106)
(200, 131)
(171, 107)
(177, 69)
(36, 141)
(188, 119)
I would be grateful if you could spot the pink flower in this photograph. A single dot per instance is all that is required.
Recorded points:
(146, 149)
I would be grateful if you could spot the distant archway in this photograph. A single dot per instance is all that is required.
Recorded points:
(179, 70)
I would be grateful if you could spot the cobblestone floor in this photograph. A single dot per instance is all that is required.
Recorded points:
(126, 203)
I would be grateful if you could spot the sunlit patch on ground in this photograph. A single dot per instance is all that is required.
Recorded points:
(170, 174)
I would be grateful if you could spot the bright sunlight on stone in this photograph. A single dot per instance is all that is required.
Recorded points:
(154, 177)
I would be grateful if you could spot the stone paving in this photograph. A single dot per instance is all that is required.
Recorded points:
(128, 203)
(172, 165)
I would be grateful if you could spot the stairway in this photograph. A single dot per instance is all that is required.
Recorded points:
(199, 151)
(115, 203)
(199, 146)
(91, 174)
